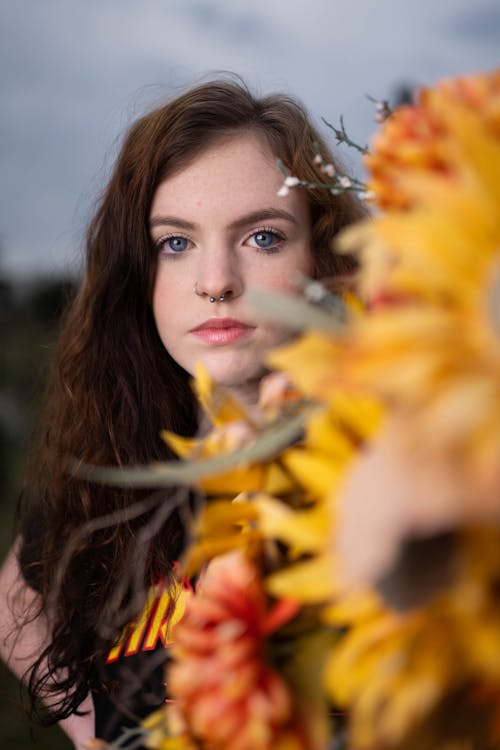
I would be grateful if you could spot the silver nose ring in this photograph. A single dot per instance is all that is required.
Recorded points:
(219, 299)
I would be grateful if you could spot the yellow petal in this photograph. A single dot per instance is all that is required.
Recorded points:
(308, 361)
(311, 582)
(183, 446)
(216, 401)
(325, 433)
(304, 531)
(276, 481)
(219, 515)
(318, 472)
(233, 482)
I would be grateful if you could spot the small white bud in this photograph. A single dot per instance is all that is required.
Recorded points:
(382, 111)
(291, 181)
(366, 195)
(318, 159)
(328, 169)
(315, 292)
(345, 182)
(283, 191)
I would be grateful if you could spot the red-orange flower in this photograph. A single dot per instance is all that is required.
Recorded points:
(415, 138)
(220, 682)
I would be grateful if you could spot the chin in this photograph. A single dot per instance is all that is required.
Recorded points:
(237, 376)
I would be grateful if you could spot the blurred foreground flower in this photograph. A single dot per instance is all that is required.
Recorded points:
(224, 691)
(429, 350)
(428, 676)
(416, 140)
(430, 347)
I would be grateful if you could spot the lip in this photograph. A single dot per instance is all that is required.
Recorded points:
(221, 331)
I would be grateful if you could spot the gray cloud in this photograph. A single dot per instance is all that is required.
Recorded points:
(480, 23)
(74, 74)
(234, 22)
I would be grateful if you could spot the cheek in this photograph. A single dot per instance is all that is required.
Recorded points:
(156, 302)
(307, 262)
(283, 276)
(164, 310)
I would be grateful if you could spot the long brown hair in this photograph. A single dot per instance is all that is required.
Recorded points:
(113, 386)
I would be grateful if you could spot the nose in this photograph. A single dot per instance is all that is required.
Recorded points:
(218, 274)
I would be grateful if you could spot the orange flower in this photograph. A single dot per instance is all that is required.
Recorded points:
(414, 139)
(222, 687)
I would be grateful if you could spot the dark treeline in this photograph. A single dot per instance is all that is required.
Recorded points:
(29, 317)
(30, 312)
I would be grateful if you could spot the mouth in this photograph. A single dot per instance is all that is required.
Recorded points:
(221, 331)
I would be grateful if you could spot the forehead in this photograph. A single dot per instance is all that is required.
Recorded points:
(237, 171)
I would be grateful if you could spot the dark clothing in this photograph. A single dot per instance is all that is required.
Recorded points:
(129, 684)
(127, 690)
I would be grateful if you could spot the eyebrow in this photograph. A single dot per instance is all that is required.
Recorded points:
(253, 217)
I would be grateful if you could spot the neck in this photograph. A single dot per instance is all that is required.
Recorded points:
(247, 393)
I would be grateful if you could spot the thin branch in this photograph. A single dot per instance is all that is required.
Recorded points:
(342, 136)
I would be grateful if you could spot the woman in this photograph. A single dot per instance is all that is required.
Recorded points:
(189, 221)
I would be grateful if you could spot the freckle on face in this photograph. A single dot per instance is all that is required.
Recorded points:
(231, 179)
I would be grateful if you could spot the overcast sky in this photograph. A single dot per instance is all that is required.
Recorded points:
(74, 73)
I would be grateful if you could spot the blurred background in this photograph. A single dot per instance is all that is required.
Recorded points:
(73, 74)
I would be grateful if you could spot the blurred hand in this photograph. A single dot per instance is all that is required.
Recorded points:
(395, 492)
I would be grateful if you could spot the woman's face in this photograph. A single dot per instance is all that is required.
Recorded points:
(220, 229)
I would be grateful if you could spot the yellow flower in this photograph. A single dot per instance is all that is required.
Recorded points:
(429, 351)
(308, 575)
(416, 139)
(430, 346)
(222, 527)
(333, 437)
(391, 671)
(315, 364)
(394, 670)
(230, 519)
(233, 427)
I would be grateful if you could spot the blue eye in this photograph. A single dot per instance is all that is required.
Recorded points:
(268, 239)
(176, 244)
(264, 239)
